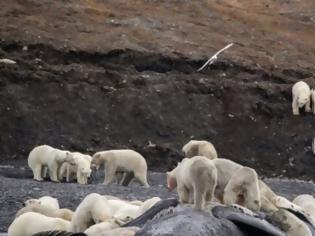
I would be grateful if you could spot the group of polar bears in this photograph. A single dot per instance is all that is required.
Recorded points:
(203, 177)
(96, 215)
(120, 165)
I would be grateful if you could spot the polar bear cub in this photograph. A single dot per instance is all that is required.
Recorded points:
(45, 201)
(45, 155)
(32, 222)
(301, 95)
(124, 160)
(93, 209)
(199, 148)
(196, 176)
(80, 170)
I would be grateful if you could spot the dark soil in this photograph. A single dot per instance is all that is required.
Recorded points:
(94, 75)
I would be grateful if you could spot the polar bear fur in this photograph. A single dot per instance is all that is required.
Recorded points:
(307, 203)
(92, 210)
(32, 222)
(123, 211)
(124, 160)
(199, 148)
(80, 170)
(45, 155)
(100, 228)
(63, 213)
(196, 176)
(146, 205)
(45, 201)
(123, 231)
(282, 202)
(289, 223)
(301, 96)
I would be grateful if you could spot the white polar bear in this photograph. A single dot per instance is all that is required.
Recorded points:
(123, 231)
(307, 203)
(123, 211)
(32, 222)
(62, 213)
(45, 155)
(236, 184)
(92, 210)
(146, 205)
(288, 223)
(282, 202)
(100, 228)
(124, 160)
(196, 176)
(301, 96)
(45, 201)
(80, 170)
(199, 148)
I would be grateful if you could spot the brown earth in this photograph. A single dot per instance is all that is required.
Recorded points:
(93, 75)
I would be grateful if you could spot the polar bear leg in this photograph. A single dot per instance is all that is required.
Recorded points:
(53, 169)
(128, 178)
(110, 170)
(308, 106)
(142, 178)
(37, 171)
(295, 107)
(183, 194)
(199, 197)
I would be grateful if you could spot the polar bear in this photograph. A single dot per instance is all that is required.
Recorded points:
(197, 176)
(199, 148)
(146, 205)
(282, 202)
(80, 170)
(288, 223)
(307, 203)
(124, 160)
(301, 95)
(32, 222)
(123, 231)
(92, 210)
(236, 184)
(45, 155)
(100, 228)
(63, 213)
(123, 211)
(45, 201)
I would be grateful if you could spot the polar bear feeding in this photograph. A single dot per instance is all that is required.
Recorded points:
(199, 148)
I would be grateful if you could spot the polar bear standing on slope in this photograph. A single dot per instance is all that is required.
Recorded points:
(124, 160)
(44, 201)
(199, 148)
(80, 170)
(45, 155)
(196, 176)
(32, 222)
(93, 209)
(301, 96)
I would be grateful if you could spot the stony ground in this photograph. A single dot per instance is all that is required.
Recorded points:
(17, 186)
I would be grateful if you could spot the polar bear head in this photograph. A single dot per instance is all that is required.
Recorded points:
(171, 179)
(31, 201)
(65, 156)
(84, 166)
(282, 202)
(302, 99)
(96, 160)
